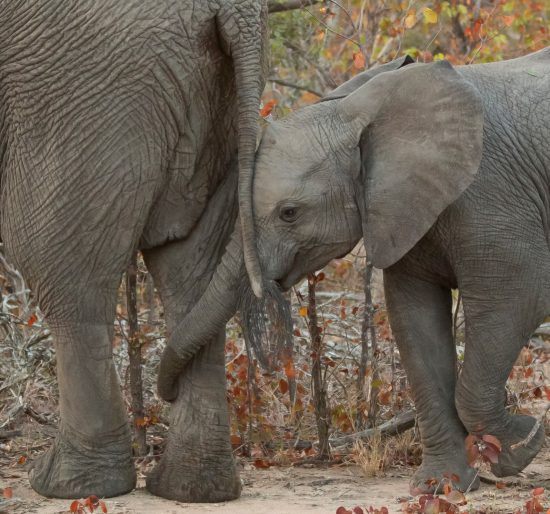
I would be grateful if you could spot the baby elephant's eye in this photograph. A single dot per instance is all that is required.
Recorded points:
(288, 214)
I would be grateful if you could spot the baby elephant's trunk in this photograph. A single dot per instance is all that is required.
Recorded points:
(267, 321)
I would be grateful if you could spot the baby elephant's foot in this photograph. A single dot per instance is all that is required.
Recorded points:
(521, 445)
(78, 467)
(435, 472)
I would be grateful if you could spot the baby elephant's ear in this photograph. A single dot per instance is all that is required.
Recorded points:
(362, 78)
(420, 131)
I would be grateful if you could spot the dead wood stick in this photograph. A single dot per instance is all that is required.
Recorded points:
(9, 434)
(134, 355)
(400, 423)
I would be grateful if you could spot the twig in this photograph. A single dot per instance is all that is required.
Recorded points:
(335, 32)
(319, 389)
(286, 83)
(40, 418)
(370, 329)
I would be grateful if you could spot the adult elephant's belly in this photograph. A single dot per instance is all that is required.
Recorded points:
(190, 185)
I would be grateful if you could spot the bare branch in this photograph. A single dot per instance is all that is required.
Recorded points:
(295, 86)
(289, 5)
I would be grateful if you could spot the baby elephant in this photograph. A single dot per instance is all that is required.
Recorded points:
(445, 172)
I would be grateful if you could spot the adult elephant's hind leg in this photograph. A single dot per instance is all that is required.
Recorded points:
(197, 464)
(420, 316)
(91, 454)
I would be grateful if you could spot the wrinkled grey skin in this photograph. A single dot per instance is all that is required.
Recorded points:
(119, 121)
(446, 174)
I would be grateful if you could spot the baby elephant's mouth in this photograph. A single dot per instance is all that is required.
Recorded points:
(291, 279)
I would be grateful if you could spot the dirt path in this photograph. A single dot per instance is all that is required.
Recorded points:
(290, 491)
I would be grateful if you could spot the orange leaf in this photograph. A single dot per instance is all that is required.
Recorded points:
(32, 320)
(410, 20)
(359, 60)
(22, 459)
(267, 108)
(283, 385)
(303, 312)
(8, 492)
(501, 485)
(456, 497)
(538, 491)
(290, 371)
(235, 439)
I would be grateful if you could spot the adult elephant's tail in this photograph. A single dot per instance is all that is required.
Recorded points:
(243, 28)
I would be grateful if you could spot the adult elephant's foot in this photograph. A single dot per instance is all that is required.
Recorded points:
(77, 466)
(520, 445)
(186, 475)
(436, 471)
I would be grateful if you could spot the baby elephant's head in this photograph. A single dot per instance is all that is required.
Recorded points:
(381, 157)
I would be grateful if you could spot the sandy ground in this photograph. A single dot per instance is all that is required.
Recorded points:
(291, 490)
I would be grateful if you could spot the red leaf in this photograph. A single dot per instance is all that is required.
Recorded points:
(7, 492)
(501, 485)
(343, 510)
(472, 449)
(261, 464)
(32, 320)
(103, 506)
(283, 386)
(75, 506)
(358, 510)
(491, 453)
(267, 108)
(491, 439)
(538, 491)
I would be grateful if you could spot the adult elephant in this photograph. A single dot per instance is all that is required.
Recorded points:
(445, 172)
(118, 125)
